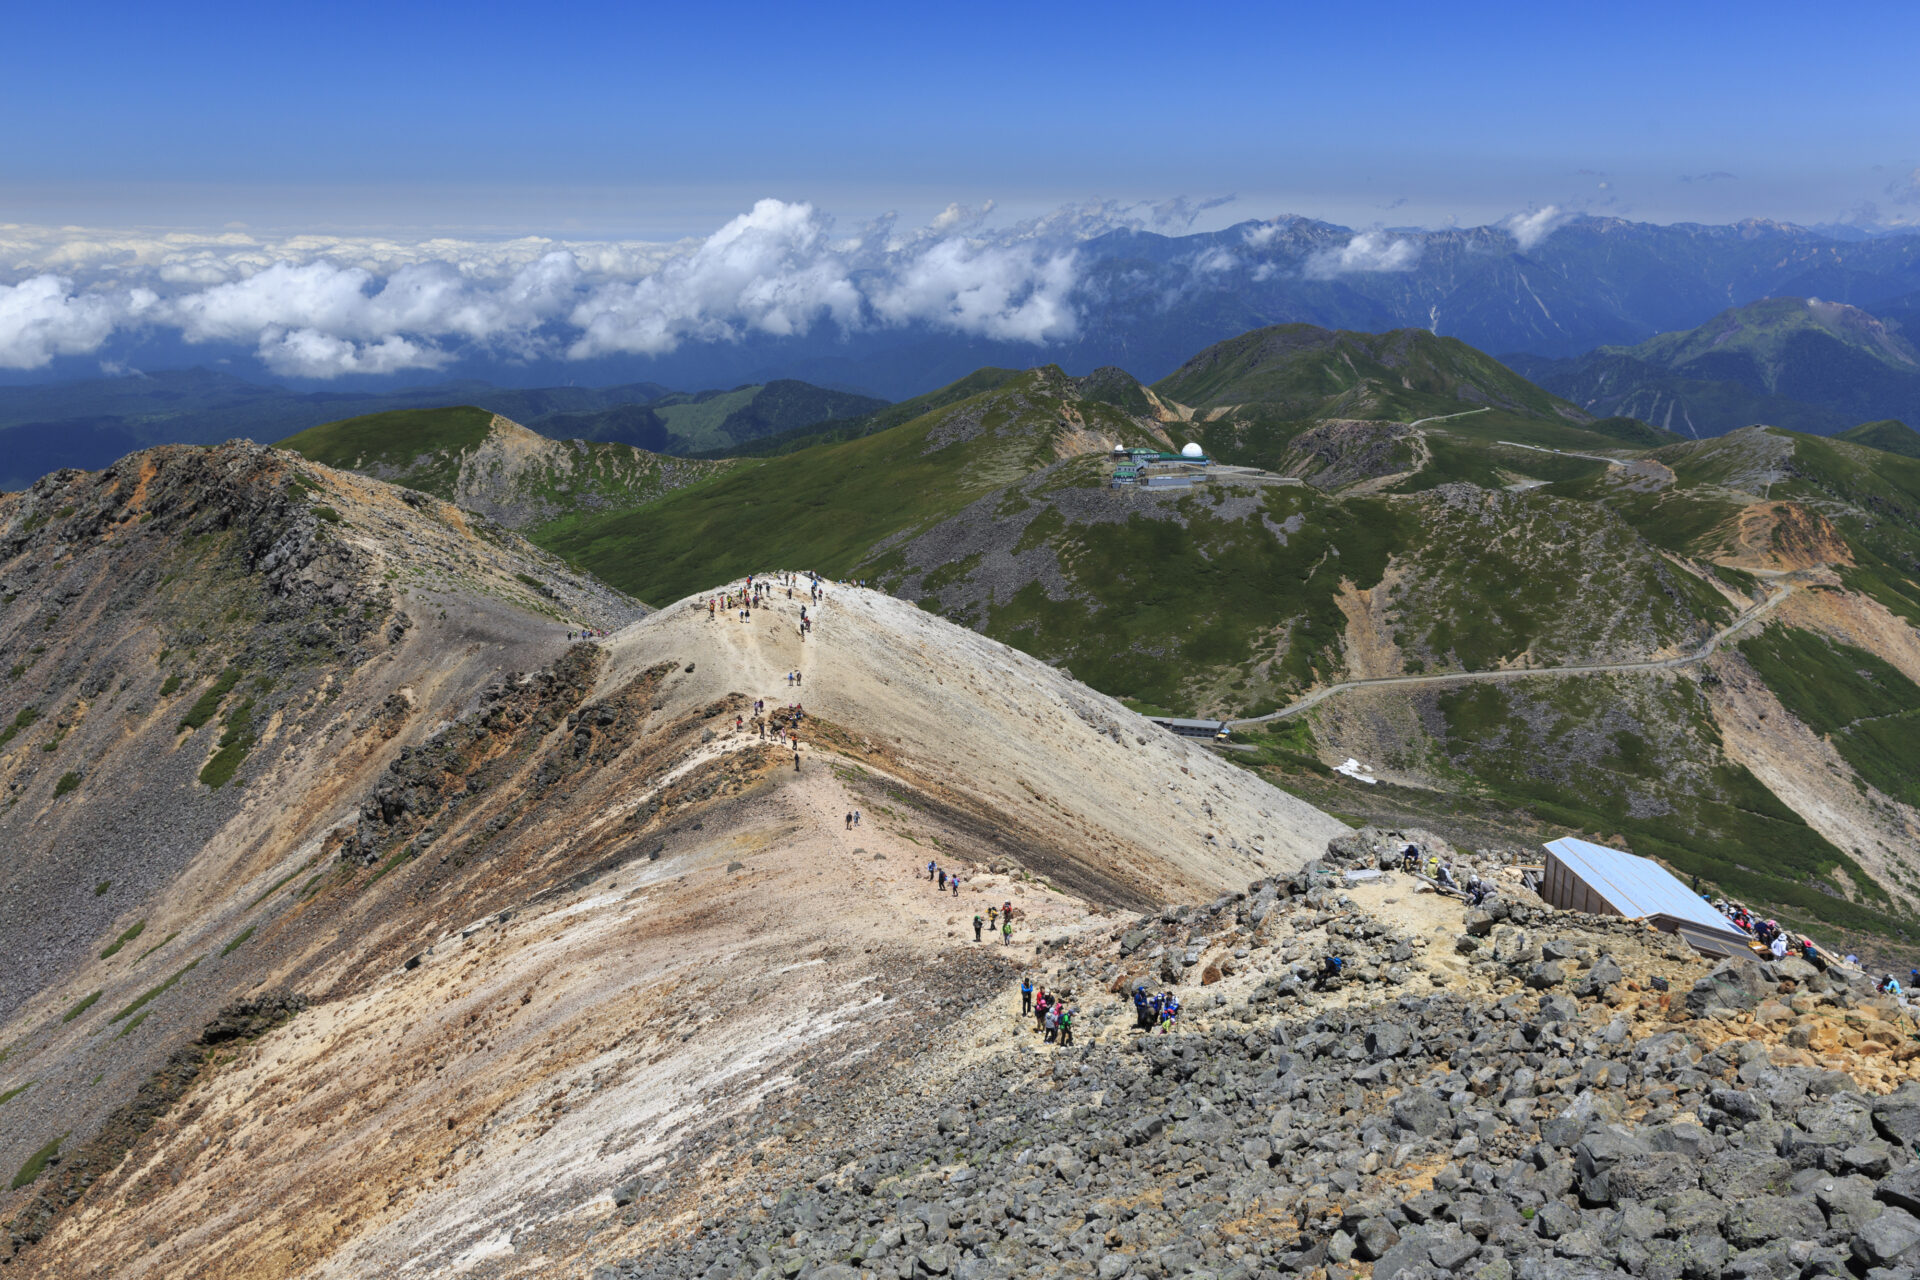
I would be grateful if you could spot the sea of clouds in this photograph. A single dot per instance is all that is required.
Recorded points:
(313, 306)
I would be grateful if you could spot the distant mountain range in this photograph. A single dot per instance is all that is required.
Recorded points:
(1801, 363)
(1581, 291)
(1146, 302)
(89, 424)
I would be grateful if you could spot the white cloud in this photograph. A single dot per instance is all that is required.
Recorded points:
(318, 306)
(1018, 294)
(1215, 260)
(42, 317)
(1529, 229)
(768, 271)
(308, 353)
(1368, 251)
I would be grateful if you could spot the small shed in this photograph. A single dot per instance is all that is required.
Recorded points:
(1582, 876)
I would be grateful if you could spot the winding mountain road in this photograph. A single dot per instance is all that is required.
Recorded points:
(1701, 654)
(1565, 453)
(1447, 417)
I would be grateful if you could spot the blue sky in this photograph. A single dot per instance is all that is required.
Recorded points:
(371, 191)
(655, 121)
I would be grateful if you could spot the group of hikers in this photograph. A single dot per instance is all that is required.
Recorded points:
(1781, 943)
(1052, 1016)
(1154, 1012)
(1778, 942)
(782, 724)
(1775, 940)
(994, 919)
(587, 633)
(758, 591)
(1475, 890)
(942, 877)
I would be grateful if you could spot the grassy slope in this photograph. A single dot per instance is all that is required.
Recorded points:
(1889, 435)
(1198, 605)
(825, 508)
(1778, 361)
(1302, 366)
(1874, 498)
(422, 444)
(1763, 333)
(1171, 604)
(838, 430)
(426, 449)
(1280, 381)
(697, 419)
(1641, 761)
(1869, 710)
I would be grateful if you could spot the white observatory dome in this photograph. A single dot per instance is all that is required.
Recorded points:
(1192, 450)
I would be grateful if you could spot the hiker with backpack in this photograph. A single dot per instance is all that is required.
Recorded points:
(979, 923)
(1026, 996)
(1330, 971)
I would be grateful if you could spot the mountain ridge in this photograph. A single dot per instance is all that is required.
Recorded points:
(1798, 363)
(485, 462)
(92, 423)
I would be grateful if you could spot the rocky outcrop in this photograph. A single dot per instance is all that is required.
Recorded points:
(1405, 1134)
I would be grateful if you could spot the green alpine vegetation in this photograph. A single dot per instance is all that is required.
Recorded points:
(1263, 389)
(423, 445)
(155, 992)
(156, 946)
(22, 719)
(235, 742)
(838, 430)
(512, 475)
(1889, 435)
(826, 507)
(208, 703)
(1857, 700)
(123, 940)
(80, 1008)
(36, 1163)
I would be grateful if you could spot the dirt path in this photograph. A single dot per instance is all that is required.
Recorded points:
(1701, 654)
(1565, 453)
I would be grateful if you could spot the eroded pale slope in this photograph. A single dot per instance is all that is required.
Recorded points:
(1134, 811)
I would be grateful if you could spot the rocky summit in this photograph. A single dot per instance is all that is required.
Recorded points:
(1535, 1094)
